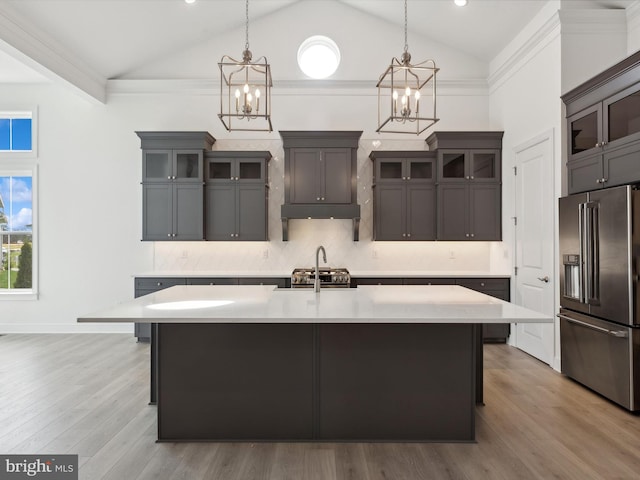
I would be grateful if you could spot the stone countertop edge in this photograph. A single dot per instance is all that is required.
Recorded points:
(287, 274)
(266, 304)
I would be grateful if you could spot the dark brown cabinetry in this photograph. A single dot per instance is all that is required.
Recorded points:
(404, 195)
(469, 185)
(145, 286)
(496, 287)
(172, 190)
(320, 179)
(236, 195)
(603, 127)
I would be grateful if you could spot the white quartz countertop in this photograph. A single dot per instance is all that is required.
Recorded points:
(287, 274)
(366, 304)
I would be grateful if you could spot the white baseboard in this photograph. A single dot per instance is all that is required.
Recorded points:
(65, 328)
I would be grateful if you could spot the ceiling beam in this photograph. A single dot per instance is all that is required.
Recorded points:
(37, 50)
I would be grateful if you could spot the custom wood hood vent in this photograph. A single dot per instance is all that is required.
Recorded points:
(320, 177)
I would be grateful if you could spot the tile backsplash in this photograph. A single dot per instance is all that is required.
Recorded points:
(336, 235)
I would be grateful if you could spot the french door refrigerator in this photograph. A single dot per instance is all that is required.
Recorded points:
(599, 320)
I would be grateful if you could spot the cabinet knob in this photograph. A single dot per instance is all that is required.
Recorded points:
(408, 234)
(598, 180)
(237, 178)
(598, 144)
(472, 177)
(466, 235)
(404, 234)
(604, 180)
(473, 235)
(169, 177)
(408, 178)
(467, 177)
(603, 143)
(322, 198)
(482, 284)
(159, 284)
(404, 178)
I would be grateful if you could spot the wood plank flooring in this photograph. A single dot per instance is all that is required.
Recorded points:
(88, 394)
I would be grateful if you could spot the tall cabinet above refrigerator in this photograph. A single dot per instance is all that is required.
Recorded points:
(599, 320)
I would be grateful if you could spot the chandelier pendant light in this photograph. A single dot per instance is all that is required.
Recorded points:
(245, 90)
(407, 93)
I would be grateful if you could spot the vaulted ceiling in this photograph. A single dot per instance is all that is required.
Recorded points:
(88, 42)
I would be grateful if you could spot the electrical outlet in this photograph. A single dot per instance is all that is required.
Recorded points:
(452, 254)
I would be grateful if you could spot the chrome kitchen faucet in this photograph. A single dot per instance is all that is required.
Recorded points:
(316, 283)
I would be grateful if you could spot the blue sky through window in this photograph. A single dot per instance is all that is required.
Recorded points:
(15, 134)
(17, 199)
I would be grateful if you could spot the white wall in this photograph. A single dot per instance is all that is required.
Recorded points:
(90, 197)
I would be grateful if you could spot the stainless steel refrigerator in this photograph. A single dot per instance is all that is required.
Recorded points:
(599, 296)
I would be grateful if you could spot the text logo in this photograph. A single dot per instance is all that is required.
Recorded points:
(49, 467)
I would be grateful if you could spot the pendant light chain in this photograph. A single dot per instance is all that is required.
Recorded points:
(406, 43)
(246, 28)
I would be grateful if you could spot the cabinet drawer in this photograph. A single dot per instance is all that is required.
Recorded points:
(483, 284)
(278, 282)
(157, 283)
(429, 281)
(212, 281)
(376, 281)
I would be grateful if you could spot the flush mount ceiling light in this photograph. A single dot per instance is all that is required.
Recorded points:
(318, 57)
(460, 3)
(245, 90)
(407, 93)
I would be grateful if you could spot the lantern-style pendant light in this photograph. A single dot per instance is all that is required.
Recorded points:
(407, 93)
(245, 90)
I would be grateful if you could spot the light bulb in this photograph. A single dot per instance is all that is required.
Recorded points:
(407, 92)
(417, 95)
(249, 97)
(246, 88)
(395, 95)
(257, 93)
(404, 100)
(237, 93)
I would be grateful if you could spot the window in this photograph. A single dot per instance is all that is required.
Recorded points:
(16, 132)
(16, 233)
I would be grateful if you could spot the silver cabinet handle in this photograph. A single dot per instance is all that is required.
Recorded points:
(603, 180)
(598, 180)
(467, 177)
(466, 234)
(168, 234)
(472, 177)
(613, 333)
(404, 234)
(404, 178)
(322, 198)
(408, 178)
(318, 199)
(408, 234)
(544, 279)
(598, 144)
(169, 177)
(473, 235)
(159, 284)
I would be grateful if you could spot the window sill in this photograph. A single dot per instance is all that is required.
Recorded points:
(27, 295)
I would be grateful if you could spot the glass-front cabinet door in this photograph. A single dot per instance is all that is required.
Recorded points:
(250, 170)
(157, 166)
(187, 165)
(622, 117)
(420, 170)
(484, 165)
(585, 129)
(453, 165)
(389, 170)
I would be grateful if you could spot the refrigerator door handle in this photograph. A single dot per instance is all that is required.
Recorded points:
(583, 248)
(592, 267)
(613, 333)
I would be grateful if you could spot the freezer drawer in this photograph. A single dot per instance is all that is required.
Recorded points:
(601, 355)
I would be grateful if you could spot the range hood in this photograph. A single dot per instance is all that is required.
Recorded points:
(320, 179)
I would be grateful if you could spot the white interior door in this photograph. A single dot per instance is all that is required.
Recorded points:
(534, 236)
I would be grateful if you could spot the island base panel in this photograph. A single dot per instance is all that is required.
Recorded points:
(397, 382)
(234, 382)
(301, 382)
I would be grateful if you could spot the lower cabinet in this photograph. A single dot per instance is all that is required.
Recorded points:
(496, 287)
(145, 286)
(148, 285)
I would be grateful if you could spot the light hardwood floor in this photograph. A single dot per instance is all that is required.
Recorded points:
(87, 395)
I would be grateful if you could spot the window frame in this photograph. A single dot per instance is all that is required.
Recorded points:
(23, 169)
(10, 155)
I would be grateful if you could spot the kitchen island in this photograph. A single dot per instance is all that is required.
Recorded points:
(254, 363)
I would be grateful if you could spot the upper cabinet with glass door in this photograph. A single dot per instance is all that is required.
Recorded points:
(603, 128)
(605, 125)
(477, 165)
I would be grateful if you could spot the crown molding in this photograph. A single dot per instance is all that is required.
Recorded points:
(633, 15)
(534, 44)
(445, 87)
(47, 57)
(593, 21)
